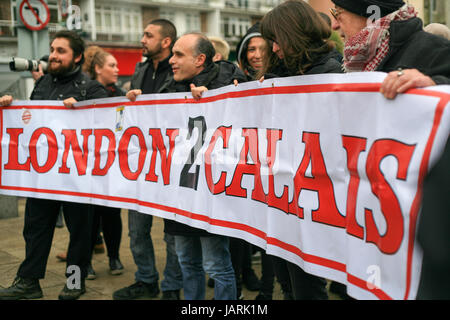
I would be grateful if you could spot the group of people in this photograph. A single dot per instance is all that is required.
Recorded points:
(292, 39)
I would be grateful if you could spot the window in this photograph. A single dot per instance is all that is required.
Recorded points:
(168, 15)
(118, 23)
(234, 27)
(433, 6)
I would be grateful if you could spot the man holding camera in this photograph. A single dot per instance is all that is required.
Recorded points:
(66, 82)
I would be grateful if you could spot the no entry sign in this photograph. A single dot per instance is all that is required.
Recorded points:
(34, 14)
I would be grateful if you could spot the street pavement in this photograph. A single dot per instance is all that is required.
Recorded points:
(12, 253)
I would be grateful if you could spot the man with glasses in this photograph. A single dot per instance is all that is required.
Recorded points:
(386, 35)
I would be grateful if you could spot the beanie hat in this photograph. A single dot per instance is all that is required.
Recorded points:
(359, 7)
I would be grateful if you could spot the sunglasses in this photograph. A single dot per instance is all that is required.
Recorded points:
(335, 12)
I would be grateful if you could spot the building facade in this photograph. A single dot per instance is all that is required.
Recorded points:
(117, 25)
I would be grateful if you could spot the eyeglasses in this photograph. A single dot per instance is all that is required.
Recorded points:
(335, 12)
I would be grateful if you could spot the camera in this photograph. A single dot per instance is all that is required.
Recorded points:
(21, 64)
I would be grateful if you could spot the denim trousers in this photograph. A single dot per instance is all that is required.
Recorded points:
(141, 245)
(211, 254)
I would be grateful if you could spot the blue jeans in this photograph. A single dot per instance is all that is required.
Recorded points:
(198, 255)
(141, 245)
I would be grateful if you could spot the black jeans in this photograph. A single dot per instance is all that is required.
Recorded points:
(304, 286)
(111, 223)
(40, 221)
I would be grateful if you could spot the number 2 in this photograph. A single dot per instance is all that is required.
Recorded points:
(188, 179)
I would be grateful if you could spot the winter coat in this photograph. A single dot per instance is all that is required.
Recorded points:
(75, 84)
(326, 63)
(433, 232)
(215, 75)
(141, 80)
(114, 91)
(412, 48)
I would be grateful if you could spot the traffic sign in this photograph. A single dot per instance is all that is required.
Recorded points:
(34, 14)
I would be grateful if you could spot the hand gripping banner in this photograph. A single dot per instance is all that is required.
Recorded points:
(322, 171)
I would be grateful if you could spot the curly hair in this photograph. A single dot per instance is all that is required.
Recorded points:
(299, 31)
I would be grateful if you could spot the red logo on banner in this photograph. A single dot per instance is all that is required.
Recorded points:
(26, 116)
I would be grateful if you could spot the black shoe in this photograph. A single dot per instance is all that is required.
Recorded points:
(288, 296)
(171, 295)
(211, 283)
(115, 267)
(91, 275)
(22, 289)
(340, 289)
(72, 294)
(138, 290)
(251, 281)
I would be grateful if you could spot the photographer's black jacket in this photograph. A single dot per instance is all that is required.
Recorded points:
(75, 84)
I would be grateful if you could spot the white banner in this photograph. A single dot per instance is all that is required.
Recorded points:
(320, 170)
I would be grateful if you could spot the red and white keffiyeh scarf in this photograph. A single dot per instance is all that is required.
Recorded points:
(365, 50)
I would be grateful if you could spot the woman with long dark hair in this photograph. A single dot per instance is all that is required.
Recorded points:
(298, 45)
(298, 42)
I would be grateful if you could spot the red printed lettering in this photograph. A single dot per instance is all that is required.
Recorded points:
(111, 151)
(219, 187)
(80, 157)
(166, 161)
(282, 203)
(354, 146)
(390, 242)
(123, 153)
(243, 167)
(52, 150)
(13, 151)
(327, 211)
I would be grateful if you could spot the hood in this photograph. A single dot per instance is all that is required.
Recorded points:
(241, 48)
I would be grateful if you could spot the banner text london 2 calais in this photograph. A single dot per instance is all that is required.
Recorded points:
(322, 171)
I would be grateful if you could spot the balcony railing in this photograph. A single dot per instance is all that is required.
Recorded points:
(252, 5)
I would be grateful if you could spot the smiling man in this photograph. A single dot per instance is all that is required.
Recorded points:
(198, 250)
(193, 67)
(63, 81)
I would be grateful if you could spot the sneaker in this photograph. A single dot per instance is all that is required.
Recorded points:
(91, 275)
(138, 290)
(251, 281)
(72, 294)
(22, 288)
(115, 267)
(171, 295)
